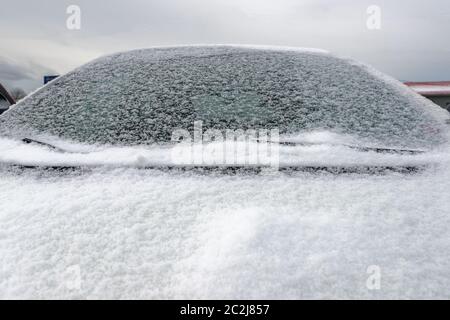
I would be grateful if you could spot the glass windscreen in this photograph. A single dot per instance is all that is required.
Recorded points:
(141, 97)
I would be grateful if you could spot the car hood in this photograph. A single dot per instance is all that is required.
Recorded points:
(132, 233)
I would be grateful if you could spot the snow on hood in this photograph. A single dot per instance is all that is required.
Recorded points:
(147, 234)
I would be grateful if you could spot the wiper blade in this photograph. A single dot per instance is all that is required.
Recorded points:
(45, 144)
(386, 150)
(379, 169)
(359, 148)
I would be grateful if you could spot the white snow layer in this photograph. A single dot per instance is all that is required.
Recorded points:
(320, 149)
(142, 96)
(133, 233)
(111, 232)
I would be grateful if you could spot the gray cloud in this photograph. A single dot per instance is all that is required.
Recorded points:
(12, 72)
(410, 46)
(25, 75)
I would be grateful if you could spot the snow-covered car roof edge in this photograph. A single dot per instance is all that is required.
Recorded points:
(224, 45)
(439, 113)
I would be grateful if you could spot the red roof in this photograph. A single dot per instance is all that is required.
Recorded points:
(435, 88)
(432, 83)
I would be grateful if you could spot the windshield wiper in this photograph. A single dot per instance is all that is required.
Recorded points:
(45, 144)
(284, 143)
(385, 150)
(359, 148)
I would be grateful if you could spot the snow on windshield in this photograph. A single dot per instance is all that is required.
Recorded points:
(314, 149)
(319, 149)
(141, 97)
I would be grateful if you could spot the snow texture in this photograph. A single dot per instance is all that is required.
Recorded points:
(111, 229)
(135, 233)
(141, 97)
(318, 149)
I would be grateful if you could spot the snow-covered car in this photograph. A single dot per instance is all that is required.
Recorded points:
(103, 194)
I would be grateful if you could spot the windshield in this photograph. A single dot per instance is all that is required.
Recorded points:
(141, 97)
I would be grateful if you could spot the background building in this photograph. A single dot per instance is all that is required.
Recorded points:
(47, 79)
(438, 92)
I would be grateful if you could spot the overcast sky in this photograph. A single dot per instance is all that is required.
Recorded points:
(412, 44)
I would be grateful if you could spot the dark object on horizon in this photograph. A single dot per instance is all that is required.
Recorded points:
(18, 94)
(49, 78)
(438, 92)
(5, 99)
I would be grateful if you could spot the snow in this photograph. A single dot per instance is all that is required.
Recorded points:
(113, 228)
(241, 46)
(134, 233)
(142, 96)
(317, 149)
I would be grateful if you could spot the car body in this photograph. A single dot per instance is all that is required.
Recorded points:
(95, 205)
